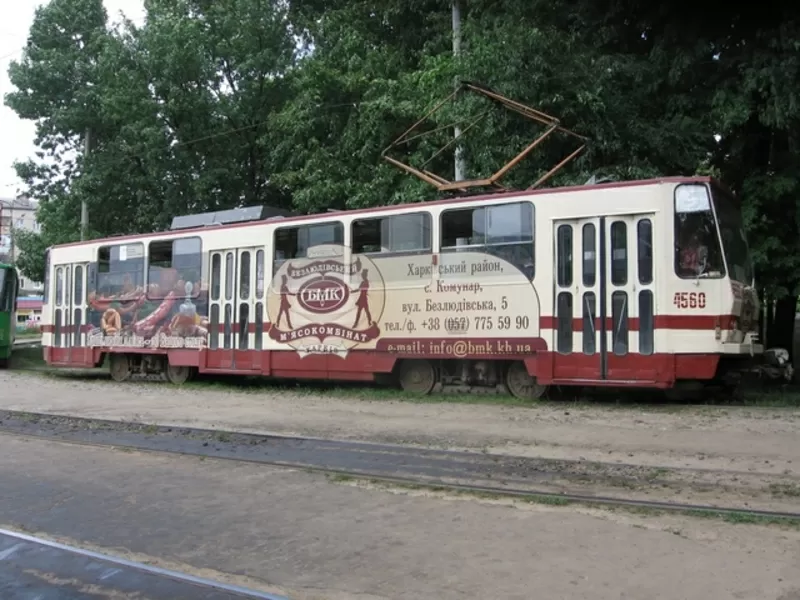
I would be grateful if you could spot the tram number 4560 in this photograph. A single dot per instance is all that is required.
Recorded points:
(689, 299)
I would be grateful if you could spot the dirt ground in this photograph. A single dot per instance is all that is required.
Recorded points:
(299, 534)
(750, 440)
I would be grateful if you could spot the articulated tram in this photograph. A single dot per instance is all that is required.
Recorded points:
(642, 283)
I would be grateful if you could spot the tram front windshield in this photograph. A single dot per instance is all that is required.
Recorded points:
(698, 233)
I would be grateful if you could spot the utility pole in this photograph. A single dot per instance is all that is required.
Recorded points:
(84, 207)
(460, 166)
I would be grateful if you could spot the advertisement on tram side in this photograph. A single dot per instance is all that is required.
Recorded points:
(449, 304)
(170, 312)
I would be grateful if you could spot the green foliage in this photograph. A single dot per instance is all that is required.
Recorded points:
(210, 105)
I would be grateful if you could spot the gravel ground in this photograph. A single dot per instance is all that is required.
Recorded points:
(295, 533)
(728, 439)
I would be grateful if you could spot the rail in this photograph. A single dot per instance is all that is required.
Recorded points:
(458, 471)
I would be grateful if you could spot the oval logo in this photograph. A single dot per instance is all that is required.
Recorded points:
(323, 295)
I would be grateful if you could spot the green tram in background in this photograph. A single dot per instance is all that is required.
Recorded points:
(9, 290)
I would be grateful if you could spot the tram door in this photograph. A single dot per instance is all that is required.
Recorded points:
(62, 317)
(604, 299)
(79, 350)
(234, 309)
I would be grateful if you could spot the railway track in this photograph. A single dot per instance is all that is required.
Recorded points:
(541, 480)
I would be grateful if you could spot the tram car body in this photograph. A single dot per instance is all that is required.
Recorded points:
(644, 283)
(9, 290)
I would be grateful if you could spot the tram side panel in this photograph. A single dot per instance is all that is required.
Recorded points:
(368, 311)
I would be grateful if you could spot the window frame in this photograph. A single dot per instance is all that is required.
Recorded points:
(97, 271)
(613, 262)
(676, 241)
(645, 252)
(391, 252)
(486, 245)
(277, 262)
(172, 241)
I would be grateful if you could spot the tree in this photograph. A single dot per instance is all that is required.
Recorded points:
(177, 108)
(56, 86)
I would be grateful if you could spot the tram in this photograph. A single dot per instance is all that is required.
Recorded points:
(9, 290)
(640, 284)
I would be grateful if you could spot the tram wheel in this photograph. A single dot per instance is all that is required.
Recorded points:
(4, 363)
(521, 384)
(178, 375)
(119, 367)
(417, 376)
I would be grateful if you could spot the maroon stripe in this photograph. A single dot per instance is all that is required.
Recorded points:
(693, 322)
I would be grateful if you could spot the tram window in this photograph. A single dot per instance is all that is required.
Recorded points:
(294, 242)
(78, 282)
(77, 323)
(589, 315)
(564, 240)
(57, 327)
(228, 327)
(213, 343)
(619, 317)
(229, 276)
(395, 234)
(59, 286)
(504, 230)
(259, 337)
(171, 261)
(697, 249)
(645, 322)
(67, 286)
(260, 274)
(564, 334)
(619, 253)
(644, 250)
(244, 276)
(244, 325)
(216, 276)
(120, 269)
(589, 255)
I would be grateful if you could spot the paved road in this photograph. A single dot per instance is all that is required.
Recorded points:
(35, 569)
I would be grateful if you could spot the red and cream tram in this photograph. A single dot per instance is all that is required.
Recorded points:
(644, 283)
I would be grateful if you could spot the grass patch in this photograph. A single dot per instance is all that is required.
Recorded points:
(29, 358)
(28, 335)
(340, 478)
(785, 490)
(779, 398)
(655, 474)
(354, 391)
(734, 518)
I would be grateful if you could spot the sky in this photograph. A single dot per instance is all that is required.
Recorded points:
(19, 134)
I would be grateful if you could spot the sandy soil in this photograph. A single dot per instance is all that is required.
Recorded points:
(733, 440)
(298, 534)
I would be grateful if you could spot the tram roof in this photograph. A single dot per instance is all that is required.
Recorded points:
(377, 209)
